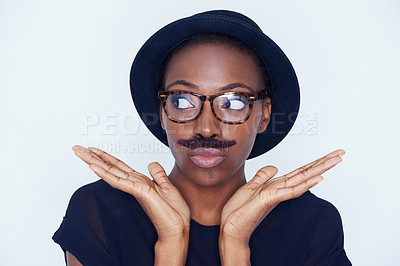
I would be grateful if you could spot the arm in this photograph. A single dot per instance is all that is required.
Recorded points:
(251, 203)
(233, 251)
(161, 201)
(171, 252)
(72, 261)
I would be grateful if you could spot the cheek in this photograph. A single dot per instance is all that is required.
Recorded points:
(244, 134)
(244, 137)
(176, 131)
(249, 127)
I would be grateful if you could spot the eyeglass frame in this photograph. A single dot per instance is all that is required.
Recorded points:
(251, 98)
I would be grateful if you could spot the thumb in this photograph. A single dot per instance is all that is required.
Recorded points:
(264, 174)
(158, 173)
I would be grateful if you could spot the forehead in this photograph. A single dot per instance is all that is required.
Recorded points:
(211, 66)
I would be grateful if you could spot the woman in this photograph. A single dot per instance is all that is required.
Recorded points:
(211, 84)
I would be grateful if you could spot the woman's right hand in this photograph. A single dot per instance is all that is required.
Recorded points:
(161, 200)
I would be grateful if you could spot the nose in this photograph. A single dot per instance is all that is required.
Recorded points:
(207, 125)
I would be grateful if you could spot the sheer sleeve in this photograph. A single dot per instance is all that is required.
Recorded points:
(81, 231)
(327, 243)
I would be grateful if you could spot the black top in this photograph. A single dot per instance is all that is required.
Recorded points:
(106, 226)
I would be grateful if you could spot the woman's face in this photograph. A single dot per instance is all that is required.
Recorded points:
(206, 68)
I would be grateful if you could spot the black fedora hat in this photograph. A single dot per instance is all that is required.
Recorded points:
(286, 94)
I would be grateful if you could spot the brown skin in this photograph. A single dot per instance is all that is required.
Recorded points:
(210, 67)
(218, 195)
(72, 261)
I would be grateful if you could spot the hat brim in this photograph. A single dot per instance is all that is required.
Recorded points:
(286, 93)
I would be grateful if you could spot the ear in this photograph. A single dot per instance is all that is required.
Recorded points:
(266, 115)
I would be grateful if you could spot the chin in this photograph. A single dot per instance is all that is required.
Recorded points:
(206, 177)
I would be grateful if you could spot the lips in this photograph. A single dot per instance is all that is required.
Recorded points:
(206, 157)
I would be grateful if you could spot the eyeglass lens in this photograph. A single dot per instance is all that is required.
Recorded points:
(228, 107)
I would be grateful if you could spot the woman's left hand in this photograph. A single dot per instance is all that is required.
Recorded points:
(252, 202)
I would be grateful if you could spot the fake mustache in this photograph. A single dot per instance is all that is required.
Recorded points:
(206, 143)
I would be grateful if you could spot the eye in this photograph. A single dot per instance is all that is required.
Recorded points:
(180, 102)
(234, 103)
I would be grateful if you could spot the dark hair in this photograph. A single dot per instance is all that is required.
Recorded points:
(216, 38)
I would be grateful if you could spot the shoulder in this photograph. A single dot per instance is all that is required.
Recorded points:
(88, 195)
(321, 226)
(98, 196)
(315, 216)
(96, 191)
(82, 231)
(310, 207)
(98, 187)
(305, 216)
(314, 221)
(307, 227)
(98, 222)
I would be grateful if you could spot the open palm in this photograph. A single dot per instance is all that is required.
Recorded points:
(161, 200)
(252, 202)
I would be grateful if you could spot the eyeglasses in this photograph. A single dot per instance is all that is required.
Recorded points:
(228, 107)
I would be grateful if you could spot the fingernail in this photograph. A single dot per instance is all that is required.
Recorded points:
(342, 153)
(320, 180)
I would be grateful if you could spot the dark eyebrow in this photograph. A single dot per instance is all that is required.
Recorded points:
(194, 86)
(235, 85)
(182, 82)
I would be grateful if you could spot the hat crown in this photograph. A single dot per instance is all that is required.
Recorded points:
(230, 14)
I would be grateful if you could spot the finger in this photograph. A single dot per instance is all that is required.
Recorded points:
(286, 193)
(77, 147)
(80, 148)
(90, 158)
(111, 159)
(264, 174)
(87, 157)
(312, 171)
(335, 153)
(123, 184)
(158, 173)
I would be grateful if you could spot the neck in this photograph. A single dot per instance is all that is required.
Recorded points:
(206, 203)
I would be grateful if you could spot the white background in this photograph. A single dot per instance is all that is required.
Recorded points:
(65, 64)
